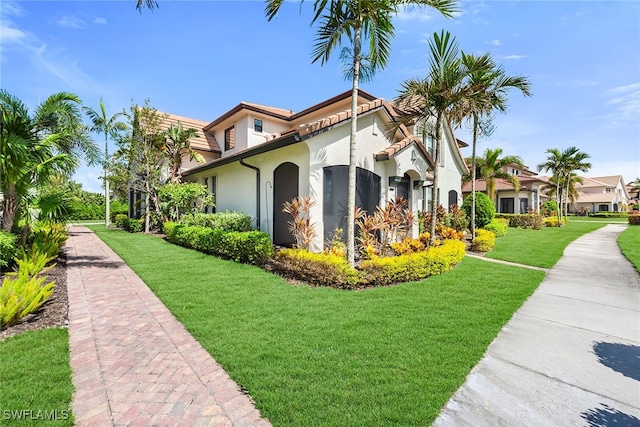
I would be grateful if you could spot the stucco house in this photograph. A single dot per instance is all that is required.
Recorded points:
(507, 200)
(601, 194)
(258, 157)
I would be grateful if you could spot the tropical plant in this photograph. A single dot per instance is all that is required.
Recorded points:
(138, 160)
(148, 4)
(188, 197)
(493, 85)
(109, 126)
(300, 225)
(35, 148)
(433, 102)
(485, 209)
(175, 145)
(359, 22)
(491, 167)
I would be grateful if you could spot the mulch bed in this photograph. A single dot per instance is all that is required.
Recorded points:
(54, 312)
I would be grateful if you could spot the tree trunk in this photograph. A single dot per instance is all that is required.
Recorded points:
(9, 209)
(559, 198)
(434, 187)
(107, 195)
(351, 189)
(147, 199)
(473, 177)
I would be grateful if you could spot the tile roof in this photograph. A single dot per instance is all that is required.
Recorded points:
(601, 181)
(526, 183)
(203, 141)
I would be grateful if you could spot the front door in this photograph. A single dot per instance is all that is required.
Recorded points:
(285, 188)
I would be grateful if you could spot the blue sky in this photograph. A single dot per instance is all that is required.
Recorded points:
(200, 59)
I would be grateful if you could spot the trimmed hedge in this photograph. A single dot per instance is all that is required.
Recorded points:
(131, 225)
(331, 270)
(484, 242)
(533, 221)
(485, 210)
(552, 221)
(609, 214)
(248, 247)
(634, 219)
(225, 221)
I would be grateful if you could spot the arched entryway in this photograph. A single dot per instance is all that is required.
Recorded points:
(285, 188)
(402, 188)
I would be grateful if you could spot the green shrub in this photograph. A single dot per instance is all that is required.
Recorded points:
(532, 220)
(8, 248)
(225, 221)
(116, 207)
(120, 220)
(325, 269)
(634, 219)
(609, 214)
(250, 247)
(32, 262)
(131, 225)
(484, 242)
(485, 210)
(549, 208)
(48, 237)
(457, 219)
(22, 295)
(498, 226)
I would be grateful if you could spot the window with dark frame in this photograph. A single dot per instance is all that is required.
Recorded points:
(230, 138)
(257, 125)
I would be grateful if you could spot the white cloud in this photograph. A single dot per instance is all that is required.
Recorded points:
(100, 21)
(494, 42)
(415, 14)
(10, 34)
(624, 106)
(515, 57)
(624, 89)
(71, 22)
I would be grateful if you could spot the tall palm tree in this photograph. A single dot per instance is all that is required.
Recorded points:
(29, 153)
(359, 21)
(575, 161)
(492, 167)
(493, 85)
(148, 4)
(175, 145)
(433, 102)
(555, 164)
(102, 123)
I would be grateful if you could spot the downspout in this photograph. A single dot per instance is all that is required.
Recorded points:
(257, 189)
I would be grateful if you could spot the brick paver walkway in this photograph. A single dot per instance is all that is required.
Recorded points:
(133, 363)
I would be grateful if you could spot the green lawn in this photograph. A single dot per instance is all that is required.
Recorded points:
(540, 248)
(35, 379)
(320, 356)
(629, 242)
(594, 219)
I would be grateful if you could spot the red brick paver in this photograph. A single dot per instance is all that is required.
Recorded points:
(133, 363)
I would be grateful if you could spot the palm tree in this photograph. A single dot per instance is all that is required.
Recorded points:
(493, 85)
(492, 167)
(29, 152)
(175, 146)
(149, 4)
(434, 101)
(555, 165)
(358, 21)
(574, 160)
(102, 123)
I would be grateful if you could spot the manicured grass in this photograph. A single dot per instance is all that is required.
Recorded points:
(594, 219)
(324, 357)
(540, 248)
(35, 379)
(629, 242)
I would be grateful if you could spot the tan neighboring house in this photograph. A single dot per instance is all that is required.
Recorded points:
(258, 157)
(507, 200)
(601, 194)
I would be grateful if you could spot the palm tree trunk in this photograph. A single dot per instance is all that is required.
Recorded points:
(107, 201)
(351, 189)
(434, 187)
(559, 198)
(473, 177)
(9, 209)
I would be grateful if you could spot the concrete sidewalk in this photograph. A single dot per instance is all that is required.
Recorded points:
(570, 356)
(133, 363)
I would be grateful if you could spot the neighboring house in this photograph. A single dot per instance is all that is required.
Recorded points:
(634, 193)
(507, 200)
(601, 194)
(262, 157)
